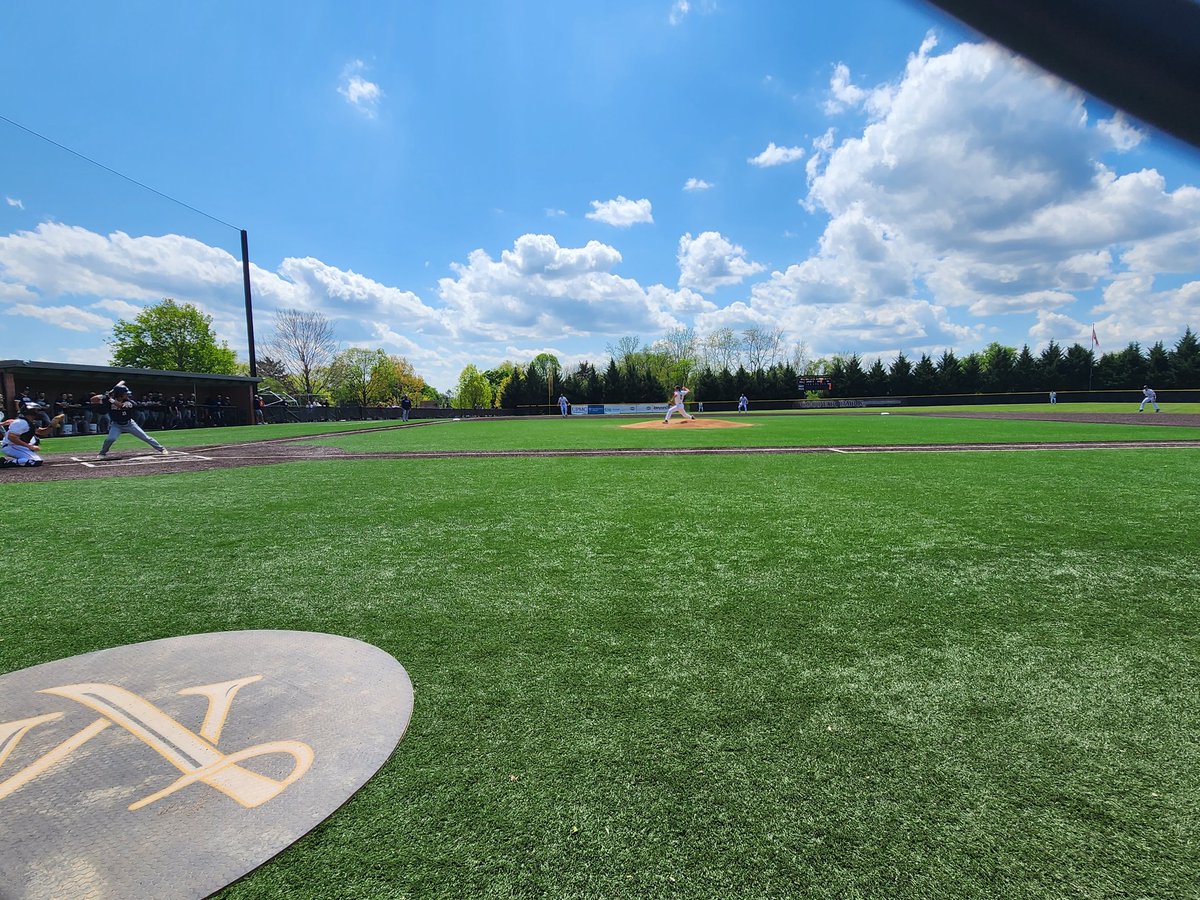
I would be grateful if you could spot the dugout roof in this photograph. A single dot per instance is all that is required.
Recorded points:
(54, 378)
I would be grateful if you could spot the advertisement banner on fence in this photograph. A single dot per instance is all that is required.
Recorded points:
(619, 409)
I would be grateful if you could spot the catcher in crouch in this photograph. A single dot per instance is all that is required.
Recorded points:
(119, 404)
(20, 442)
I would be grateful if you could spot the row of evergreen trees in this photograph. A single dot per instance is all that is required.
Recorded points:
(997, 369)
(1003, 370)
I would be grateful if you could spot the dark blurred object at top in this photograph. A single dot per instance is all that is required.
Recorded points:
(1142, 56)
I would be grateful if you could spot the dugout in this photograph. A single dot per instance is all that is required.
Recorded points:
(206, 393)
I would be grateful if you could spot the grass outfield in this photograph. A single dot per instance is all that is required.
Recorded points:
(915, 676)
(814, 428)
(759, 431)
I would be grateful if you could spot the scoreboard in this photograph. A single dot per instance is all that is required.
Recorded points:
(815, 383)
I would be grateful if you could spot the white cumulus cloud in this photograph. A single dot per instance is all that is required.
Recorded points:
(621, 212)
(541, 289)
(776, 156)
(709, 261)
(696, 184)
(365, 96)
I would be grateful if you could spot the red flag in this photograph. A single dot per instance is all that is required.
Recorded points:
(1095, 340)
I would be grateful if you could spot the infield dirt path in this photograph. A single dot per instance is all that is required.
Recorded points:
(269, 451)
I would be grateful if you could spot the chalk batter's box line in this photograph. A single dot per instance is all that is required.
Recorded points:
(156, 459)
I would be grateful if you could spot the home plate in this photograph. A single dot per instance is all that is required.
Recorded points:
(93, 462)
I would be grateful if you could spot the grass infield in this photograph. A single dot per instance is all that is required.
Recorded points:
(914, 676)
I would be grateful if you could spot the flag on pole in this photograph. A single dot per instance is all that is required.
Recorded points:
(1095, 340)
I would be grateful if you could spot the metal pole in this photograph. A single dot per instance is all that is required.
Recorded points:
(249, 306)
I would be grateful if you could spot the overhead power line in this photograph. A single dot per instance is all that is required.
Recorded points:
(113, 171)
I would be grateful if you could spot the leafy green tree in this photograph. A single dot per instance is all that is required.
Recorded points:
(474, 390)
(407, 380)
(512, 391)
(172, 337)
(548, 367)
(498, 378)
(623, 350)
(673, 359)
(349, 375)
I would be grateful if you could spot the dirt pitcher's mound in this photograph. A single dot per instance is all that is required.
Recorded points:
(690, 423)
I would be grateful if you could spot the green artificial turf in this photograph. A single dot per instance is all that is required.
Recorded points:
(919, 425)
(913, 676)
(579, 433)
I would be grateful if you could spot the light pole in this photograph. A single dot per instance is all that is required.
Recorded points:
(249, 306)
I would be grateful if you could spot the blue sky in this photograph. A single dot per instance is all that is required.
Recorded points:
(469, 182)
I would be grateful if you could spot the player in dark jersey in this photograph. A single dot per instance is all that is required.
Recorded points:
(119, 404)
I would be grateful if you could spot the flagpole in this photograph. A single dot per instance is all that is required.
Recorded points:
(1092, 359)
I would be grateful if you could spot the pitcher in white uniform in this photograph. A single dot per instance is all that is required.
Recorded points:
(677, 405)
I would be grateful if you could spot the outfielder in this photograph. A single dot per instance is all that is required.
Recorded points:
(677, 405)
(20, 443)
(119, 404)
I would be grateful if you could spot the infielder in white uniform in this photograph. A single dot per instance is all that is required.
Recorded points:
(1148, 396)
(677, 405)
